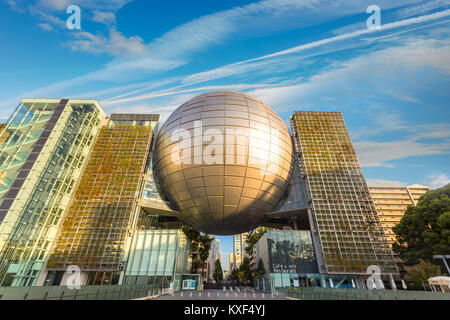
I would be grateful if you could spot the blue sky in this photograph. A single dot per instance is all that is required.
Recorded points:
(392, 85)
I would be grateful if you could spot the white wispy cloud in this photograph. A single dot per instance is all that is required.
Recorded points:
(116, 44)
(384, 122)
(350, 28)
(368, 74)
(421, 8)
(105, 17)
(164, 93)
(380, 154)
(124, 90)
(390, 70)
(50, 19)
(276, 61)
(58, 5)
(53, 4)
(141, 63)
(53, 12)
(401, 69)
(45, 26)
(237, 67)
(175, 45)
(436, 181)
(215, 28)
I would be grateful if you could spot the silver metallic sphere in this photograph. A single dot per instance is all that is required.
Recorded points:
(223, 159)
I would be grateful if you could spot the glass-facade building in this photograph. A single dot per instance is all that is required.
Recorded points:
(77, 188)
(289, 259)
(239, 245)
(151, 197)
(158, 257)
(343, 216)
(112, 230)
(104, 212)
(43, 147)
(295, 197)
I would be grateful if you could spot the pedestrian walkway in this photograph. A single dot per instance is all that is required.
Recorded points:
(221, 295)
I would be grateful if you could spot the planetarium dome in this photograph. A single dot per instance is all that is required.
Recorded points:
(223, 160)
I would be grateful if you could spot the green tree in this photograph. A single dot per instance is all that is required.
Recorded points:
(420, 273)
(260, 270)
(205, 246)
(424, 230)
(192, 234)
(218, 273)
(245, 273)
(234, 274)
(253, 239)
(201, 243)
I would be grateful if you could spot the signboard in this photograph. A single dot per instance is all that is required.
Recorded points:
(192, 285)
(291, 252)
(186, 284)
(283, 268)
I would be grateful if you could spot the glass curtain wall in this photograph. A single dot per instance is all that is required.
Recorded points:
(157, 256)
(350, 232)
(45, 143)
(105, 207)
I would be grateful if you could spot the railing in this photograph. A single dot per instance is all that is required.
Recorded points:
(112, 292)
(220, 285)
(359, 294)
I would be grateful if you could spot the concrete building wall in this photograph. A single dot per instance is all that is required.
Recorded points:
(391, 204)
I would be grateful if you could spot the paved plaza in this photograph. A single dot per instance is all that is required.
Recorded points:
(221, 295)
